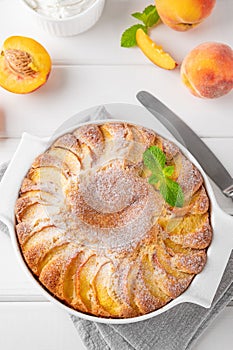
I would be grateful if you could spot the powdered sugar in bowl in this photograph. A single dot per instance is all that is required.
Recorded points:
(65, 17)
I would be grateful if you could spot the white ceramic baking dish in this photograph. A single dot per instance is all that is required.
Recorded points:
(204, 285)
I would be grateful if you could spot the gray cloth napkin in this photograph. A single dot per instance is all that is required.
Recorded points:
(176, 329)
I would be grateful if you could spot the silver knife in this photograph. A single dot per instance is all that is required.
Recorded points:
(187, 137)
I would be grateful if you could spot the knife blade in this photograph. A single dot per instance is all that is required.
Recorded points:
(187, 137)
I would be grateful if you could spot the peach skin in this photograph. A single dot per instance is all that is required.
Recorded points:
(183, 15)
(24, 65)
(208, 70)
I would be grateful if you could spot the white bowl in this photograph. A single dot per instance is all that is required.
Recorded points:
(203, 287)
(68, 26)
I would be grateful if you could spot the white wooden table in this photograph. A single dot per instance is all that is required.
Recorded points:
(92, 69)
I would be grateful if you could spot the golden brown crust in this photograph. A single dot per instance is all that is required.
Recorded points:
(98, 236)
(68, 142)
(90, 135)
(52, 273)
(193, 231)
(192, 263)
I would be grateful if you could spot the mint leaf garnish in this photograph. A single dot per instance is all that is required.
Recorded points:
(152, 16)
(128, 38)
(171, 192)
(155, 160)
(139, 16)
(153, 179)
(149, 16)
(168, 170)
(149, 9)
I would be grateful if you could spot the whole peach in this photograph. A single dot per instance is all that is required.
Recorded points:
(208, 70)
(183, 15)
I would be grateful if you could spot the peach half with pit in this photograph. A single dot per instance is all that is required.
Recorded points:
(208, 70)
(24, 65)
(183, 15)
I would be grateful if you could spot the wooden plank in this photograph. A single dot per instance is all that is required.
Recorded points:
(43, 326)
(15, 284)
(101, 44)
(7, 148)
(71, 89)
(39, 326)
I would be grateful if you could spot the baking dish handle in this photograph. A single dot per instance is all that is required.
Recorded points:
(29, 147)
(203, 292)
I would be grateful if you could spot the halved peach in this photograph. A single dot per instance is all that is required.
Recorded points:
(154, 52)
(24, 65)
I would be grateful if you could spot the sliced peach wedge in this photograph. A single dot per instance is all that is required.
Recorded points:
(153, 51)
(24, 65)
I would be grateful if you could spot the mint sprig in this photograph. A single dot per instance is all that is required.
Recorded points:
(149, 17)
(128, 38)
(155, 160)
